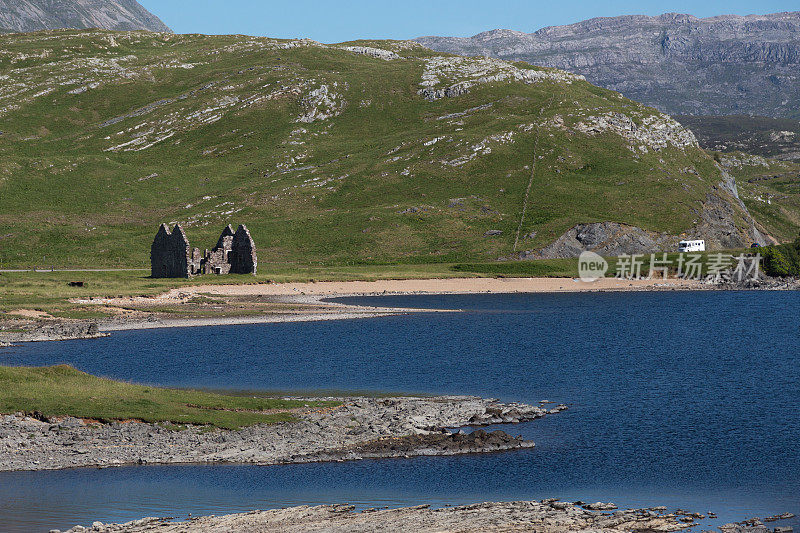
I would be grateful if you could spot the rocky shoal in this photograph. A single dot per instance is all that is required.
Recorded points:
(358, 428)
(546, 516)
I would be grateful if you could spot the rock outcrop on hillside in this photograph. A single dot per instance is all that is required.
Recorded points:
(679, 63)
(35, 15)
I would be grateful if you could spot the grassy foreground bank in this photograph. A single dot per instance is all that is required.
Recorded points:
(65, 391)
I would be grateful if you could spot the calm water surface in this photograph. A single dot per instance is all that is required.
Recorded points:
(688, 400)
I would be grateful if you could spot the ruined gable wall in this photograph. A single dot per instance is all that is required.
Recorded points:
(243, 255)
(170, 255)
(217, 261)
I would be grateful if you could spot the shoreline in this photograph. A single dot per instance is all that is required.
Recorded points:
(360, 428)
(311, 302)
(548, 515)
(333, 289)
(192, 322)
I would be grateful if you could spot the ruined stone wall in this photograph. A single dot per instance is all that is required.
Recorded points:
(243, 258)
(170, 255)
(226, 239)
(195, 268)
(215, 262)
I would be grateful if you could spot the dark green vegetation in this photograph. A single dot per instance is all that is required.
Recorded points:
(783, 260)
(329, 156)
(764, 136)
(64, 391)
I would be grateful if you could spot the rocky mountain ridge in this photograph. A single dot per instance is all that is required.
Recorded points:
(678, 63)
(763, 136)
(37, 15)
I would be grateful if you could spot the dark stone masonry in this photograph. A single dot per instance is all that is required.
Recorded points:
(171, 256)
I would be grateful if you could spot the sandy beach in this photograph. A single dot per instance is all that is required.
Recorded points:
(260, 303)
(439, 286)
(309, 299)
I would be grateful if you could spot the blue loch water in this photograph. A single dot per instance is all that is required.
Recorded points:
(682, 399)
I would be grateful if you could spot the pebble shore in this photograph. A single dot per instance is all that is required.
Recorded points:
(547, 516)
(359, 428)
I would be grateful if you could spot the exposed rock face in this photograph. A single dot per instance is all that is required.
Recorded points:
(322, 103)
(656, 131)
(459, 74)
(717, 225)
(679, 63)
(607, 239)
(718, 221)
(35, 15)
(545, 516)
(377, 53)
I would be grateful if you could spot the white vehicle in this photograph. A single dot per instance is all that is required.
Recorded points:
(692, 246)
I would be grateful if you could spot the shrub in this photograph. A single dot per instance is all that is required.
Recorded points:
(782, 260)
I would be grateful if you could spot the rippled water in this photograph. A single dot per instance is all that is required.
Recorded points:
(683, 399)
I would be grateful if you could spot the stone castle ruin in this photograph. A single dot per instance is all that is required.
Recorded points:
(172, 257)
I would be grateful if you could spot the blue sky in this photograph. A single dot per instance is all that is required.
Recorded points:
(335, 21)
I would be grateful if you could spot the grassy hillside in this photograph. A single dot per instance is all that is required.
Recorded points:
(770, 189)
(327, 154)
(64, 391)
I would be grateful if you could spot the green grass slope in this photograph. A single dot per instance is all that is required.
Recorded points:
(770, 189)
(64, 391)
(327, 154)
